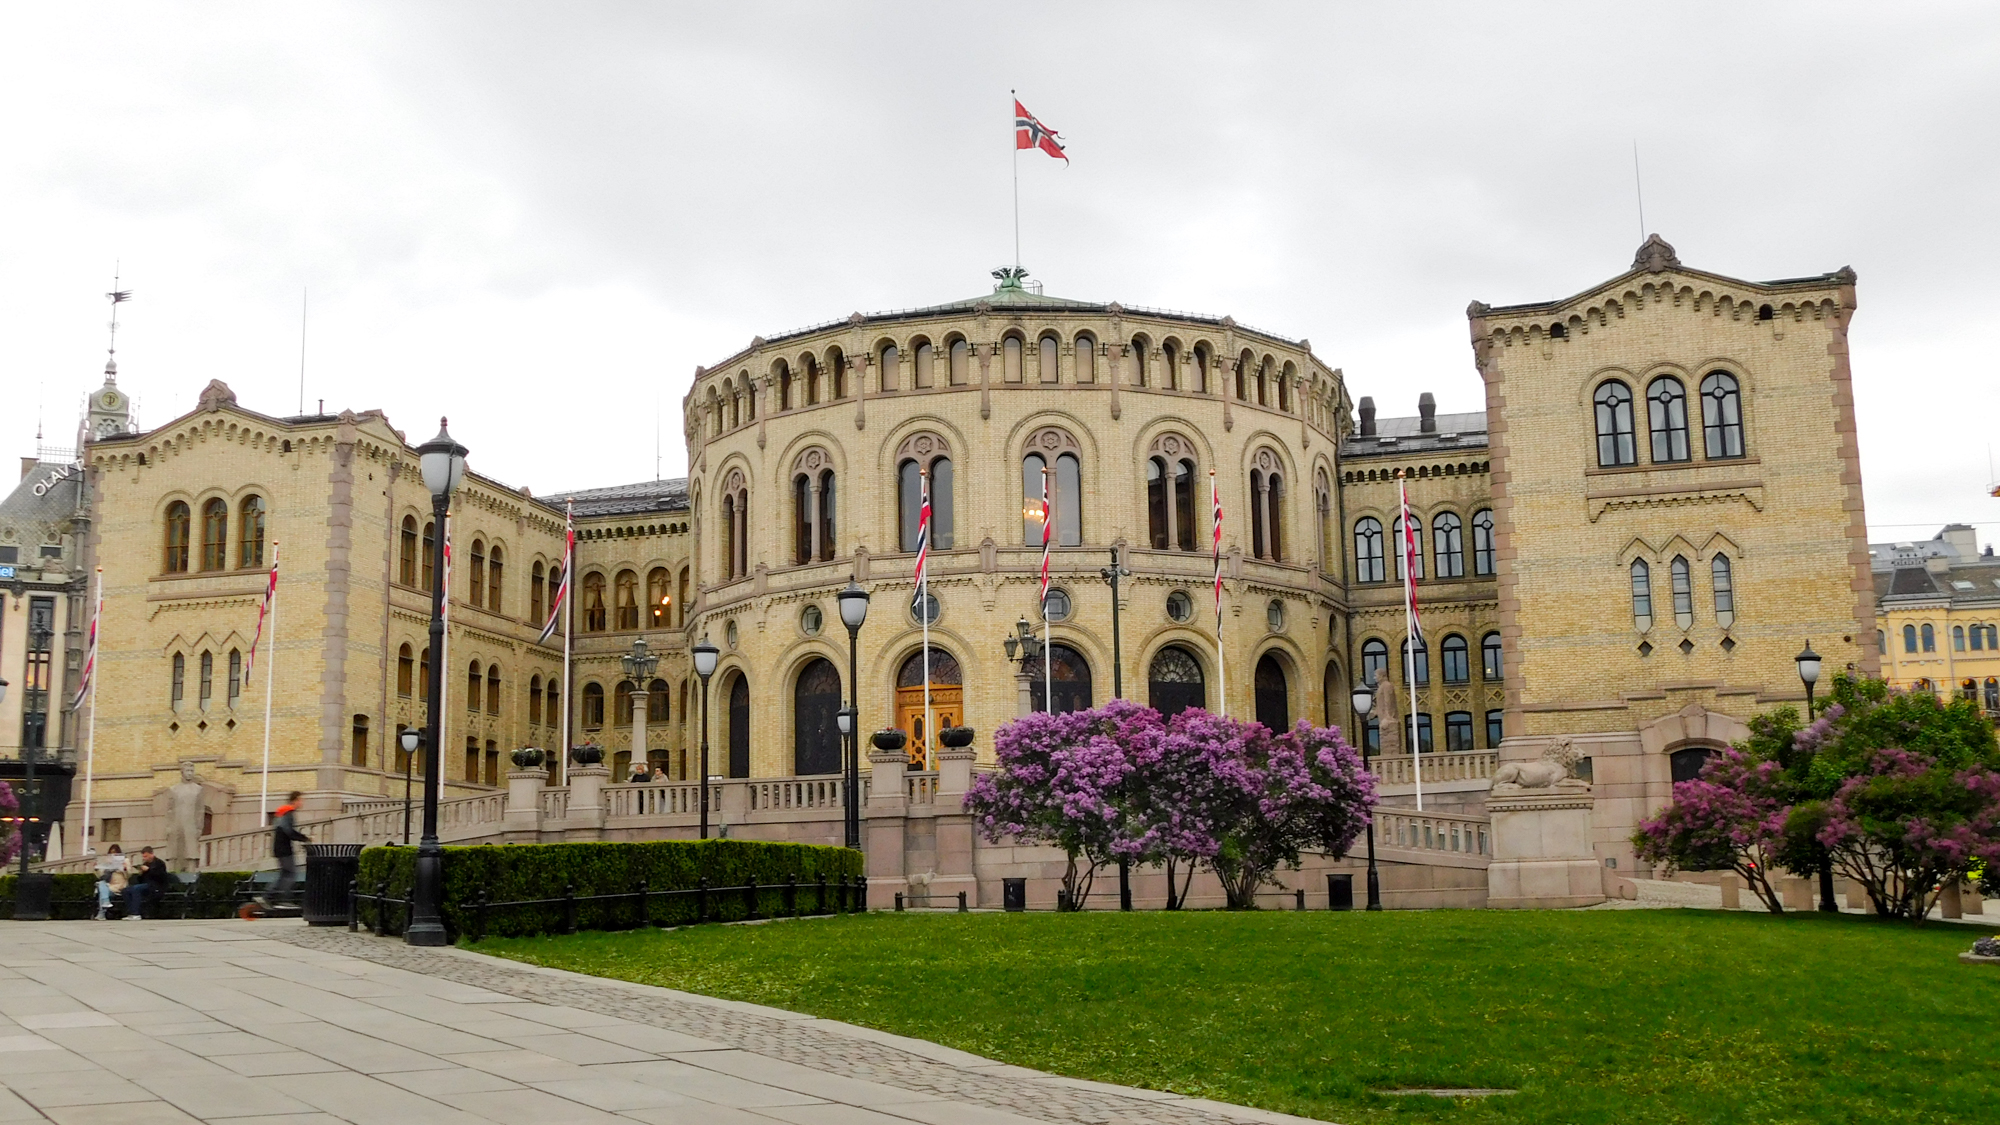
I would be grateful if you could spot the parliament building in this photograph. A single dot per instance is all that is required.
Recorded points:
(1659, 506)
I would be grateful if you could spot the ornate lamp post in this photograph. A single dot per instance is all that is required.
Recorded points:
(853, 613)
(1808, 662)
(443, 463)
(413, 740)
(639, 665)
(1023, 645)
(1112, 574)
(705, 656)
(1364, 702)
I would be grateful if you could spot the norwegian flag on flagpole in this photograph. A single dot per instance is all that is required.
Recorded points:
(560, 598)
(1411, 560)
(924, 537)
(90, 648)
(1215, 498)
(263, 611)
(1048, 540)
(1030, 133)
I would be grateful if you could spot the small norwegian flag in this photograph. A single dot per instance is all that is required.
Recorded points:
(1215, 498)
(1412, 559)
(1048, 540)
(559, 600)
(1030, 133)
(263, 611)
(90, 650)
(924, 542)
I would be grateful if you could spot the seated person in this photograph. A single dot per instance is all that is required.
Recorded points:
(110, 879)
(149, 884)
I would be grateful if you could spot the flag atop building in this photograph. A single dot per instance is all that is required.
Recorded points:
(1031, 133)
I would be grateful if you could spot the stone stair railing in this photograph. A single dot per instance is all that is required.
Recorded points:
(1464, 837)
(1453, 765)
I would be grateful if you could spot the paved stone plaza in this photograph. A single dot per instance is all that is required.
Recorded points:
(114, 1023)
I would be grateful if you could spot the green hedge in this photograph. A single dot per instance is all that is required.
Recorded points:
(74, 896)
(525, 872)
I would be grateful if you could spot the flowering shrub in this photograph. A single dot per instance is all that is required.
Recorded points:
(1910, 825)
(1118, 783)
(1987, 947)
(1732, 818)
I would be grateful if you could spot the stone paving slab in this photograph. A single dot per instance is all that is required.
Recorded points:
(282, 1024)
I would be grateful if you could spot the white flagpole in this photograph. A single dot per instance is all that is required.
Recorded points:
(1221, 673)
(270, 683)
(90, 725)
(924, 615)
(569, 587)
(1014, 137)
(1408, 549)
(444, 655)
(1048, 537)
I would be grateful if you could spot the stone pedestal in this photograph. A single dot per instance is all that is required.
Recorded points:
(522, 823)
(1949, 904)
(1857, 897)
(586, 802)
(954, 826)
(1732, 891)
(882, 826)
(1542, 858)
(1798, 894)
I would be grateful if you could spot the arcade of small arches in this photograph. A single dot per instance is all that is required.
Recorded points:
(215, 553)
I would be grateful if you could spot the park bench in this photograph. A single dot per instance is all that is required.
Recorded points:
(261, 888)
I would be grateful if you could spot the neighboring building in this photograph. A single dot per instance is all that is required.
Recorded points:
(1659, 506)
(1938, 611)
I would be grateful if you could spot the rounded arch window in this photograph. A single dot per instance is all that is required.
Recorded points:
(811, 620)
(1175, 682)
(1067, 676)
(1180, 607)
(1274, 614)
(925, 608)
(1057, 607)
(1273, 693)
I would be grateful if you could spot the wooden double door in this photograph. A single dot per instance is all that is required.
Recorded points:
(947, 706)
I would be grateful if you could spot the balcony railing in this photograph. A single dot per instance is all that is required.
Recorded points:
(1456, 765)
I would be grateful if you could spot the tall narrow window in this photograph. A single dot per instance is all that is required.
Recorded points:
(1683, 593)
(406, 671)
(1374, 661)
(1156, 503)
(593, 706)
(1417, 556)
(250, 532)
(423, 675)
(1032, 483)
(177, 538)
(1725, 591)
(1909, 638)
(1069, 500)
(1274, 516)
(235, 675)
(1086, 360)
(1010, 359)
(681, 599)
(1489, 658)
(826, 515)
(478, 573)
(1495, 731)
(1448, 545)
(495, 560)
(657, 604)
(1050, 350)
(1184, 504)
(1482, 542)
(1422, 669)
(552, 705)
(1614, 425)
(535, 699)
(1457, 656)
(215, 535)
(961, 363)
(628, 599)
(207, 678)
(1721, 416)
(179, 691)
(406, 562)
(888, 365)
(493, 689)
(802, 519)
(621, 704)
(535, 615)
(1666, 411)
(593, 602)
(784, 386)
(1368, 561)
(430, 555)
(728, 537)
(926, 365)
(1642, 595)
(1958, 638)
(656, 702)
(358, 747)
(1422, 740)
(1257, 507)
(556, 584)
(1930, 639)
(473, 682)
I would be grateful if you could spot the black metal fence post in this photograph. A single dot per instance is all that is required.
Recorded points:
(792, 894)
(353, 905)
(479, 917)
(819, 904)
(382, 908)
(750, 899)
(569, 908)
(640, 919)
(701, 899)
(899, 902)
(961, 902)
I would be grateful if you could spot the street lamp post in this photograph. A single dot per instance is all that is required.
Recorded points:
(1364, 701)
(1808, 662)
(1112, 574)
(853, 613)
(443, 464)
(413, 740)
(639, 665)
(1023, 645)
(705, 656)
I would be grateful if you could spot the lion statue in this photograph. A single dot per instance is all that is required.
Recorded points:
(1556, 765)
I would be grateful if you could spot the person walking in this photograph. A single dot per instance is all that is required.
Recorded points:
(148, 884)
(111, 879)
(284, 832)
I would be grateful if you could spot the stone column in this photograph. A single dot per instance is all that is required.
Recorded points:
(882, 834)
(1025, 693)
(1542, 857)
(954, 828)
(522, 822)
(639, 757)
(586, 802)
(813, 509)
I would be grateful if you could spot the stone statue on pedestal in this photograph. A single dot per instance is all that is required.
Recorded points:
(186, 804)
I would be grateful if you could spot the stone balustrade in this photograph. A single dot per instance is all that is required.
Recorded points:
(1450, 766)
(1433, 832)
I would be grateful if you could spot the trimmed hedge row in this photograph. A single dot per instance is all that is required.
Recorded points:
(527, 872)
(74, 896)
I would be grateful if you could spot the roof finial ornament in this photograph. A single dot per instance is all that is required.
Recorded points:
(1655, 255)
(1011, 277)
(117, 297)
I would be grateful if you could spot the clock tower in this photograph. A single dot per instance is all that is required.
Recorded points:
(110, 408)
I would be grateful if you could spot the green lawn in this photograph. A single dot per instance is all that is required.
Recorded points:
(1619, 1017)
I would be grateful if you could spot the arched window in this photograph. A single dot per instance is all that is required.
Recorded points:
(1686, 764)
(1422, 668)
(1489, 658)
(494, 567)
(1721, 416)
(1170, 501)
(1667, 415)
(1064, 483)
(1010, 359)
(1958, 638)
(1457, 657)
(1070, 676)
(215, 535)
(593, 602)
(735, 526)
(1374, 661)
(1050, 350)
(1642, 595)
(406, 671)
(1330, 693)
(1203, 362)
(826, 513)
(1402, 551)
(535, 699)
(1495, 729)
(1285, 390)
(1930, 639)
(207, 679)
(478, 574)
(621, 704)
(535, 615)
(888, 363)
(429, 556)
(836, 375)
(1448, 545)
(1421, 739)
(926, 365)
(1725, 591)
(924, 453)
(555, 588)
(1086, 359)
(739, 726)
(250, 532)
(1141, 349)
(627, 589)
(1992, 693)
(178, 690)
(1683, 593)
(658, 709)
(961, 363)
(473, 682)
(804, 510)
(493, 689)
(1170, 359)
(423, 675)
(1482, 542)
(1242, 377)
(816, 706)
(1614, 425)
(1274, 697)
(1909, 638)
(1174, 682)
(552, 706)
(1267, 493)
(681, 599)
(784, 385)
(1034, 485)
(812, 507)
(658, 604)
(358, 747)
(1263, 383)
(235, 675)
(1368, 561)
(593, 706)
(809, 374)
(406, 563)
(177, 538)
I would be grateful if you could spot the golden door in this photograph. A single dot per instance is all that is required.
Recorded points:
(947, 705)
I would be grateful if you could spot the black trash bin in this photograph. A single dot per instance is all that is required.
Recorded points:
(1014, 894)
(33, 896)
(330, 868)
(1339, 891)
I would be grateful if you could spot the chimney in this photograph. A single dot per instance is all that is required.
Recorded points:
(28, 465)
(1427, 413)
(1367, 409)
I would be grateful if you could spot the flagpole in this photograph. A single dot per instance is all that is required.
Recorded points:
(924, 615)
(569, 583)
(90, 724)
(1048, 538)
(1221, 671)
(1410, 634)
(444, 649)
(270, 682)
(1014, 94)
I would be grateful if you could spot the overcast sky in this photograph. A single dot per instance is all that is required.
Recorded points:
(539, 218)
